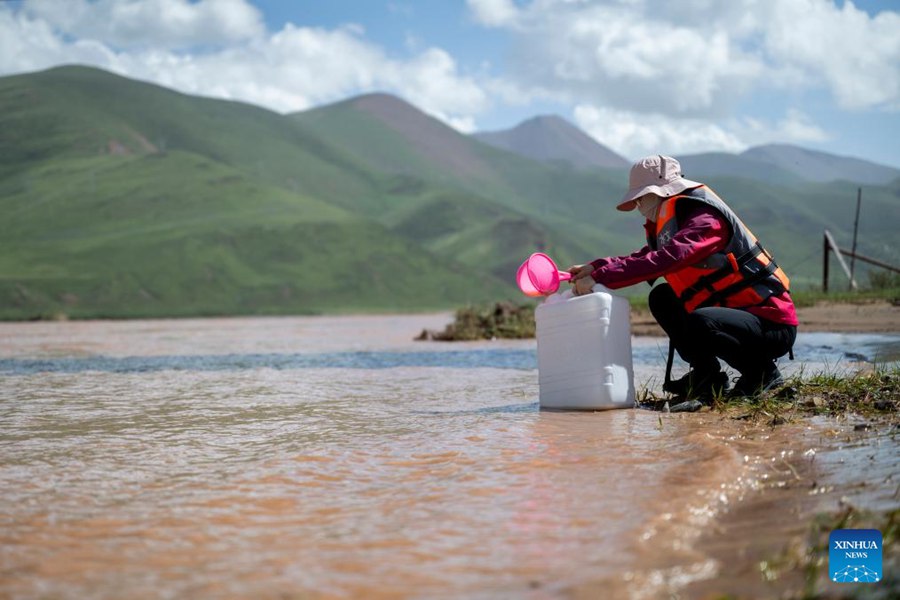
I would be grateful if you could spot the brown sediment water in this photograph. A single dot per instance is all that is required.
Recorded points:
(335, 458)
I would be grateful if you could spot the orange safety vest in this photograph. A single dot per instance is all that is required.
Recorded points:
(741, 275)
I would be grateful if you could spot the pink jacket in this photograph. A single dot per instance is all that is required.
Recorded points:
(703, 232)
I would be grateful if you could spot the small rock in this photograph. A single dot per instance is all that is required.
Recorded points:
(862, 427)
(689, 406)
(816, 402)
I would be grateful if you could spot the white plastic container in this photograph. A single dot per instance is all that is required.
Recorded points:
(584, 351)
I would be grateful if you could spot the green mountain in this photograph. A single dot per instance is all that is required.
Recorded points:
(122, 199)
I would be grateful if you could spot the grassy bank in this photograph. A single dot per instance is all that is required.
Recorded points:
(501, 320)
(873, 395)
(804, 298)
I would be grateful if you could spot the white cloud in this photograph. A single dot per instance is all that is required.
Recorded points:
(700, 57)
(494, 13)
(857, 57)
(288, 70)
(152, 23)
(634, 134)
(798, 127)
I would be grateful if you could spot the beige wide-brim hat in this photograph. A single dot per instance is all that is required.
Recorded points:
(657, 174)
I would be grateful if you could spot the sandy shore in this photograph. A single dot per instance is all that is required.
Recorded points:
(870, 317)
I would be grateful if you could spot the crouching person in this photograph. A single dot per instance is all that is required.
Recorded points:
(724, 298)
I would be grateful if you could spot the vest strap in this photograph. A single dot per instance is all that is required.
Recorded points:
(734, 288)
(706, 282)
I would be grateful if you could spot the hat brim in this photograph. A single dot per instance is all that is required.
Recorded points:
(664, 191)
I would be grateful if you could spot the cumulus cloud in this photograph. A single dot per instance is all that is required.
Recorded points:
(638, 134)
(157, 23)
(699, 58)
(796, 126)
(494, 13)
(287, 70)
(634, 135)
(855, 56)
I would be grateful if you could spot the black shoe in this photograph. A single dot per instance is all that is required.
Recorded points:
(751, 385)
(698, 386)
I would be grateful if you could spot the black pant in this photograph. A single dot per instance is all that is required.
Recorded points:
(746, 342)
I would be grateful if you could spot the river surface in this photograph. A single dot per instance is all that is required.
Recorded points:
(333, 457)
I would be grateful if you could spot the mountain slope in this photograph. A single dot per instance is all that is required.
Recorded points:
(386, 133)
(552, 138)
(137, 236)
(239, 211)
(82, 111)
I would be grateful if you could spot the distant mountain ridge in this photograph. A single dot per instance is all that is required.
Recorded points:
(550, 138)
(813, 165)
(786, 163)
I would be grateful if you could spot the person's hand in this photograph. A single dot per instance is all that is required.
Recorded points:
(583, 285)
(579, 271)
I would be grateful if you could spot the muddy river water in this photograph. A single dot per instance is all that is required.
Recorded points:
(330, 457)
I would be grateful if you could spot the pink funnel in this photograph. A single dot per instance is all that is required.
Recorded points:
(538, 276)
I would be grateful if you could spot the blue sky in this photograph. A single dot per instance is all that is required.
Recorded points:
(641, 76)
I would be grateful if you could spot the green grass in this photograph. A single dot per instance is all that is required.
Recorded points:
(145, 236)
(805, 298)
(873, 394)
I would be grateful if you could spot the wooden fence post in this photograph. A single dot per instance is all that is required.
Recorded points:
(831, 245)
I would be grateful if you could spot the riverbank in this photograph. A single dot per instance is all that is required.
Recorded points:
(511, 321)
(833, 466)
(822, 455)
(824, 475)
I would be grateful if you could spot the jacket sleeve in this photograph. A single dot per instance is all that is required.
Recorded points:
(704, 231)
